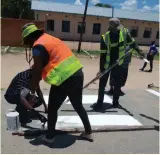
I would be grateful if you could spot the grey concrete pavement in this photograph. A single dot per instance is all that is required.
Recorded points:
(139, 104)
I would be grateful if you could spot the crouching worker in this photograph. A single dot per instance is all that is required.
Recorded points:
(17, 94)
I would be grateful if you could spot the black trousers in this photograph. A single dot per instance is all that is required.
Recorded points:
(72, 88)
(23, 112)
(15, 99)
(118, 76)
(150, 59)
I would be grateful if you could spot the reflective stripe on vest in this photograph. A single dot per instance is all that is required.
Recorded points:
(121, 43)
(62, 62)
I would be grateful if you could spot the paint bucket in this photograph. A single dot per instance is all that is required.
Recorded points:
(13, 123)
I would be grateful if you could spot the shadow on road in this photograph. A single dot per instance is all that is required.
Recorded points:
(61, 141)
(148, 117)
(126, 110)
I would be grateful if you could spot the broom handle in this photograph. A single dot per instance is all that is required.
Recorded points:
(104, 72)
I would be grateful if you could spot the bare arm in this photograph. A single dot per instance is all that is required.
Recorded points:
(25, 103)
(36, 73)
(40, 95)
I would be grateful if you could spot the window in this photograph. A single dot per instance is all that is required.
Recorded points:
(147, 33)
(81, 28)
(50, 25)
(96, 28)
(65, 26)
(134, 31)
(157, 35)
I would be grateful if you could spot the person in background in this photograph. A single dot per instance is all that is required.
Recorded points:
(111, 90)
(16, 95)
(150, 57)
(114, 44)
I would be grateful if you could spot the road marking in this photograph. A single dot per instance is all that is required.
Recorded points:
(153, 92)
(97, 121)
(87, 99)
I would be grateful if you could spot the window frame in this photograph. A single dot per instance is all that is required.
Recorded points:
(68, 29)
(93, 30)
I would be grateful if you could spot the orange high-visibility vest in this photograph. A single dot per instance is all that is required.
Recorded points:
(62, 62)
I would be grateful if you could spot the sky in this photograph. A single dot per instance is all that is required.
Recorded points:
(133, 5)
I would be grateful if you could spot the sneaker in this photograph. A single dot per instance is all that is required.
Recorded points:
(48, 139)
(87, 136)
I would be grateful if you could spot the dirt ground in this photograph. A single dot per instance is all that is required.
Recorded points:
(11, 64)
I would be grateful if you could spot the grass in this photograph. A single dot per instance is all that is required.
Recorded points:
(156, 57)
(18, 50)
(12, 50)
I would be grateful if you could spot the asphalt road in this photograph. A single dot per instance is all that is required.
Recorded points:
(137, 104)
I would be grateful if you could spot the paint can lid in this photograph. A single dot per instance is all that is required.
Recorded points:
(12, 114)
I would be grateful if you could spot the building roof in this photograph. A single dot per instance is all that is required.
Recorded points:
(93, 11)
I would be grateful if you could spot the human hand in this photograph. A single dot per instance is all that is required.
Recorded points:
(32, 100)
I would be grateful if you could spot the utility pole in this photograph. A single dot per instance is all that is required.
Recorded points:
(112, 11)
(83, 24)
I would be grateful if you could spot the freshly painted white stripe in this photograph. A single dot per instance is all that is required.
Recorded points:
(153, 92)
(97, 120)
(87, 99)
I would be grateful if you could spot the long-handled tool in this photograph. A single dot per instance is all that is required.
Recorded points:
(142, 58)
(104, 72)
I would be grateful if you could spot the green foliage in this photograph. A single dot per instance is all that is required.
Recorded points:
(103, 5)
(17, 9)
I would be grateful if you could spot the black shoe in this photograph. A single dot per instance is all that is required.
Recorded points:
(110, 92)
(97, 106)
(141, 69)
(149, 70)
(121, 93)
(24, 122)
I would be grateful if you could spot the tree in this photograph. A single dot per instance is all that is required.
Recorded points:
(103, 5)
(17, 9)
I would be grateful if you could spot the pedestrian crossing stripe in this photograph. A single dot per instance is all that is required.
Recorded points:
(87, 99)
(66, 122)
(153, 92)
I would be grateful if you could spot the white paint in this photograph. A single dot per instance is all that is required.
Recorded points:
(87, 99)
(97, 121)
(12, 117)
(153, 92)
